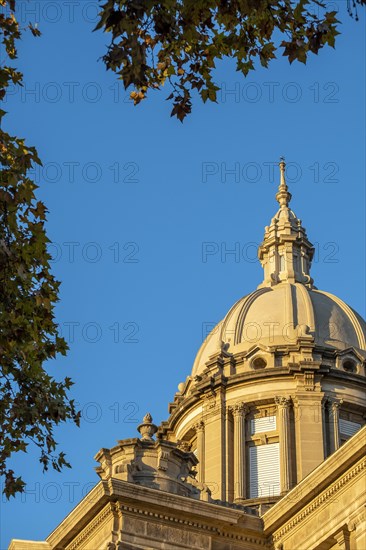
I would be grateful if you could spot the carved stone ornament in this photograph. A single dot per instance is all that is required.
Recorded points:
(184, 446)
(147, 429)
(239, 409)
(282, 401)
(199, 426)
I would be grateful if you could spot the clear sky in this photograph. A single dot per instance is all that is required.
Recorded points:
(134, 198)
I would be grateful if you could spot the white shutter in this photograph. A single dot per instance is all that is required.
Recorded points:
(262, 424)
(348, 428)
(264, 470)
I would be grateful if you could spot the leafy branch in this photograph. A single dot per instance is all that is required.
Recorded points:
(187, 37)
(32, 402)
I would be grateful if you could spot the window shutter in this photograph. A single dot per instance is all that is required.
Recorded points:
(263, 424)
(264, 470)
(348, 428)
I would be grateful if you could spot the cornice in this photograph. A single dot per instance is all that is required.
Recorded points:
(79, 517)
(246, 379)
(157, 500)
(212, 529)
(91, 527)
(321, 499)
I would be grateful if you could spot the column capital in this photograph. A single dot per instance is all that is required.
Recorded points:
(336, 403)
(283, 401)
(199, 426)
(240, 409)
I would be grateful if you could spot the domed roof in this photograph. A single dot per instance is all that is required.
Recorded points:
(286, 306)
(277, 316)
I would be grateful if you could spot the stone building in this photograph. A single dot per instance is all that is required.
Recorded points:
(264, 446)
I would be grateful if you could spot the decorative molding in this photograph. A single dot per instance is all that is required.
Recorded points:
(196, 525)
(326, 495)
(309, 382)
(184, 446)
(92, 526)
(163, 460)
(357, 519)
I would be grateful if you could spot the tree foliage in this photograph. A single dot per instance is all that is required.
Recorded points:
(32, 402)
(179, 41)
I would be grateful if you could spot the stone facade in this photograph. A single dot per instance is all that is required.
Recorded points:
(264, 446)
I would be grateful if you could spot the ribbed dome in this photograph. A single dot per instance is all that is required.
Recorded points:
(278, 315)
(286, 306)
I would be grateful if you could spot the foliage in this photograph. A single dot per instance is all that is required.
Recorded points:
(31, 401)
(180, 40)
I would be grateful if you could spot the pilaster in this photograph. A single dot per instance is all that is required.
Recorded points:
(239, 412)
(283, 408)
(215, 444)
(308, 431)
(200, 431)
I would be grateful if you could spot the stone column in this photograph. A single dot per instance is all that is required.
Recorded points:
(283, 408)
(335, 417)
(325, 416)
(200, 431)
(239, 412)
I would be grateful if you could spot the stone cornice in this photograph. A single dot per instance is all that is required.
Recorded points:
(246, 378)
(359, 469)
(330, 476)
(80, 516)
(235, 380)
(91, 527)
(17, 544)
(191, 523)
(95, 508)
(144, 497)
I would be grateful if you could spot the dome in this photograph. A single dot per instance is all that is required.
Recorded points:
(278, 316)
(279, 384)
(286, 306)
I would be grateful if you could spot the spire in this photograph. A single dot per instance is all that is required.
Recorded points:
(285, 252)
(283, 196)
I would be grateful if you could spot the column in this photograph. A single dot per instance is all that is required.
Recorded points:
(335, 416)
(200, 431)
(283, 409)
(239, 412)
(325, 417)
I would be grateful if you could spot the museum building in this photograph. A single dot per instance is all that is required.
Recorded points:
(264, 446)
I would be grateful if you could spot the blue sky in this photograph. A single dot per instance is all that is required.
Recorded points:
(134, 198)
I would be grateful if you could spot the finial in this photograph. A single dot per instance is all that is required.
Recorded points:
(147, 429)
(283, 196)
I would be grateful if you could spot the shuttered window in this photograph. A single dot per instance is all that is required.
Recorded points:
(262, 424)
(264, 470)
(348, 428)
